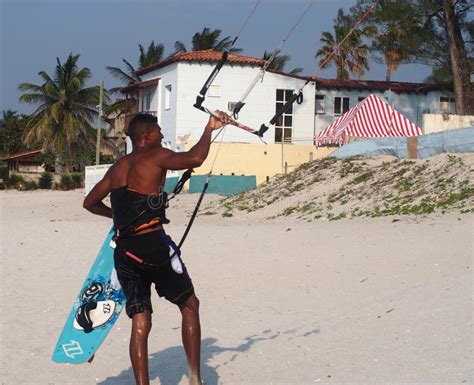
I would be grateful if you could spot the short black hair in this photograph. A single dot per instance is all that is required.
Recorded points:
(139, 125)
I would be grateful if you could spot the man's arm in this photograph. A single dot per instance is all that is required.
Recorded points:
(93, 201)
(196, 156)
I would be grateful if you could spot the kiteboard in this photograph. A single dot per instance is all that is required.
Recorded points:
(94, 312)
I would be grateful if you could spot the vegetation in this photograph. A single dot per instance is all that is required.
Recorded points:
(279, 62)
(71, 181)
(399, 187)
(152, 55)
(436, 33)
(207, 39)
(352, 56)
(65, 110)
(15, 181)
(12, 127)
(46, 180)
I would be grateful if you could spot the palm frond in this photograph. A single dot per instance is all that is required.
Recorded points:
(119, 74)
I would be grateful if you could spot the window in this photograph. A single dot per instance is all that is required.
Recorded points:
(361, 98)
(320, 104)
(168, 97)
(214, 91)
(447, 105)
(147, 100)
(284, 124)
(341, 105)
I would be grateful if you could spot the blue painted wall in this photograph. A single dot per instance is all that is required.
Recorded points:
(227, 185)
(170, 183)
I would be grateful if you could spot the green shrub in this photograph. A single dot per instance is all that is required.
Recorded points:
(31, 185)
(16, 181)
(77, 180)
(106, 159)
(3, 173)
(66, 182)
(363, 177)
(46, 180)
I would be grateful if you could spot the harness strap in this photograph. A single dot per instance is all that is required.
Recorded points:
(136, 258)
(121, 233)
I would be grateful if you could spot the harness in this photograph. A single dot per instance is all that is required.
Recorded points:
(154, 203)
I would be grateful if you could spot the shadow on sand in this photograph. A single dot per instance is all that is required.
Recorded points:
(169, 365)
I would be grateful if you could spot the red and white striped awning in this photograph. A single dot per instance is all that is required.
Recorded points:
(373, 117)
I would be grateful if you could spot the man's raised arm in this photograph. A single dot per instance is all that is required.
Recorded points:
(196, 156)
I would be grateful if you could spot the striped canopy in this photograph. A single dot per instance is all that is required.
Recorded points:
(370, 118)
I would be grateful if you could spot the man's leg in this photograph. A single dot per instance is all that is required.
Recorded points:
(141, 325)
(191, 333)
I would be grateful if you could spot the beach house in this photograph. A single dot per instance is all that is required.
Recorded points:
(168, 90)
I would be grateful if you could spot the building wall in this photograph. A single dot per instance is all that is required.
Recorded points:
(443, 122)
(186, 80)
(166, 117)
(412, 105)
(258, 159)
(233, 80)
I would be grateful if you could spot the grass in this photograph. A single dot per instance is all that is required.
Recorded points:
(364, 177)
(399, 187)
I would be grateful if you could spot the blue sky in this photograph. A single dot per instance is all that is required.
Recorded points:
(34, 32)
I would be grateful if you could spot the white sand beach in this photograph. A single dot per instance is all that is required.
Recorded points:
(354, 301)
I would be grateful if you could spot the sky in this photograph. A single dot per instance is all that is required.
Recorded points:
(34, 32)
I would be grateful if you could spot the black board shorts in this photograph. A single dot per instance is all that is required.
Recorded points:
(143, 259)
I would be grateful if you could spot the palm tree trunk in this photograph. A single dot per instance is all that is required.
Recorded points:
(388, 72)
(454, 54)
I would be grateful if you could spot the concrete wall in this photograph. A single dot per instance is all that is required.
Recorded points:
(227, 185)
(30, 168)
(442, 122)
(412, 105)
(187, 79)
(258, 159)
(167, 118)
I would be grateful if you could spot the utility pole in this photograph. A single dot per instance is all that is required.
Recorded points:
(99, 123)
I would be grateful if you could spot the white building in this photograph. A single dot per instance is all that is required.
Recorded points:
(169, 90)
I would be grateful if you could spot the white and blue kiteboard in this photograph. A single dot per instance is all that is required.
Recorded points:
(94, 312)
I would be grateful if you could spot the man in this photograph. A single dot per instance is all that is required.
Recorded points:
(142, 254)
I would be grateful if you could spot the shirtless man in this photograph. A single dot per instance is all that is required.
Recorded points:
(142, 255)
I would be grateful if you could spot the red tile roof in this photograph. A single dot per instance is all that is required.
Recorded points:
(375, 85)
(211, 56)
(207, 56)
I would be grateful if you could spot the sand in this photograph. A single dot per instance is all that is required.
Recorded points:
(354, 301)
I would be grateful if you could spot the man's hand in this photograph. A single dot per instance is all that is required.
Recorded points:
(219, 121)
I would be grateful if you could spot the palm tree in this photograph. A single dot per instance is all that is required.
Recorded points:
(392, 28)
(207, 39)
(12, 126)
(279, 63)
(126, 76)
(352, 56)
(152, 55)
(390, 44)
(62, 121)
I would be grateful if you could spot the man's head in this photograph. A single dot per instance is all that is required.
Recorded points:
(144, 130)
